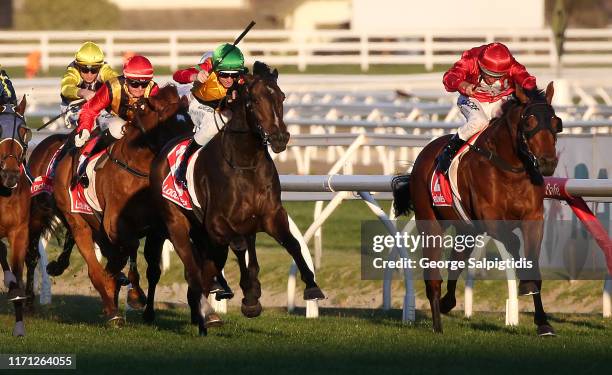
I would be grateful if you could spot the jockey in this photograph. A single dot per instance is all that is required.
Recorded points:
(215, 76)
(119, 96)
(7, 92)
(485, 77)
(84, 76)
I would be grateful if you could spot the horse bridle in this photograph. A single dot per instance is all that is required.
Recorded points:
(23, 147)
(523, 136)
(541, 126)
(225, 129)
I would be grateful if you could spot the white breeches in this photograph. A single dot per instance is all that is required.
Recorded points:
(478, 114)
(206, 121)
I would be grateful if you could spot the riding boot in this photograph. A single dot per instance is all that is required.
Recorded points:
(105, 140)
(181, 170)
(68, 146)
(445, 158)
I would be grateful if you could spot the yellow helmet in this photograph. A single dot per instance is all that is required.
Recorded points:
(89, 55)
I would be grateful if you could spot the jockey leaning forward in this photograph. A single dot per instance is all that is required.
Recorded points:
(82, 78)
(215, 76)
(485, 77)
(120, 96)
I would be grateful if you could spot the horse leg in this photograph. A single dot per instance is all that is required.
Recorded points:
(136, 296)
(532, 237)
(152, 253)
(31, 261)
(104, 284)
(57, 267)
(277, 226)
(178, 231)
(449, 301)
(116, 262)
(18, 239)
(249, 281)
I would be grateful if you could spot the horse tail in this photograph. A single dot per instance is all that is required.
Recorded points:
(400, 185)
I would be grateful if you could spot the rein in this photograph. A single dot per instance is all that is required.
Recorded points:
(225, 128)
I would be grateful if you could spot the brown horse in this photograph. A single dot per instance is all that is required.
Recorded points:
(500, 180)
(122, 190)
(14, 204)
(237, 184)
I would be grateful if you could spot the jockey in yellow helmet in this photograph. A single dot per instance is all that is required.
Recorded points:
(86, 74)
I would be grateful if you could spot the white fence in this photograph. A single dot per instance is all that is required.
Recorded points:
(175, 48)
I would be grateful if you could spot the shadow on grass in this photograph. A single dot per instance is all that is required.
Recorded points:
(79, 309)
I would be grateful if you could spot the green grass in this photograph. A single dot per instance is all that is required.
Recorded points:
(341, 341)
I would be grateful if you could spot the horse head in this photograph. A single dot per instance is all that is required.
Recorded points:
(266, 104)
(152, 111)
(538, 126)
(13, 143)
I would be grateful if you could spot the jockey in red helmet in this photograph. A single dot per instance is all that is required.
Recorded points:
(119, 96)
(485, 77)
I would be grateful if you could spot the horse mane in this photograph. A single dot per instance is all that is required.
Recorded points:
(534, 95)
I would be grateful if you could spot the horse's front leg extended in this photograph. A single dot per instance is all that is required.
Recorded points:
(277, 226)
(532, 238)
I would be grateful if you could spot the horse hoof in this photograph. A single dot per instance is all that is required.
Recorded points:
(116, 321)
(447, 303)
(527, 288)
(313, 293)
(251, 311)
(148, 316)
(546, 330)
(16, 294)
(19, 330)
(136, 299)
(9, 278)
(216, 288)
(224, 294)
(55, 269)
(212, 320)
(202, 331)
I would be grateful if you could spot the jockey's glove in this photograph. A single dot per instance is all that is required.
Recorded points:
(81, 138)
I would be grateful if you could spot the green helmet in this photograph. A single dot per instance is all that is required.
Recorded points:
(228, 57)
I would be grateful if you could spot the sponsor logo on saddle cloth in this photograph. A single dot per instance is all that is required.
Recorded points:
(85, 201)
(443, 188)
(44, 184)
(171, 189)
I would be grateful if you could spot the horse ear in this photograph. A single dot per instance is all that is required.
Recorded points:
(550, 91)
(520, 94)
(155, 103)
(275, 74)
(21, 106)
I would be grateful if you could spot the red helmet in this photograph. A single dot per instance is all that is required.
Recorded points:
(495, 60)
(138, 67)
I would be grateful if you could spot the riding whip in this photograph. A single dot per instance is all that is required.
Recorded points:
(76, 103)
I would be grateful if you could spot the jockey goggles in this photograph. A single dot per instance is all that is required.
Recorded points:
(136, 83)
(89, 69)
(228, 74)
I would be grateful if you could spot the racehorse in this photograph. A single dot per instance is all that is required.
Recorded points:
(237, 185)
(121, 186)
(14, 204)
(501, 179)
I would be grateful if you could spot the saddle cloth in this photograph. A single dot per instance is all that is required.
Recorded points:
(83, 200)
(443, 188)
(171, 189)
(44, 184)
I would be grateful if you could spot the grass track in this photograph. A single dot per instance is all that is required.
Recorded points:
(342, 341)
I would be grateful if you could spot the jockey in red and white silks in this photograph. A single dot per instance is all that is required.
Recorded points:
(485, 77)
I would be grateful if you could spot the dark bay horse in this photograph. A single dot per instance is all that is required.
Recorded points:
(14, 204)
(500, 181)
(122, 190)
(237, 184)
